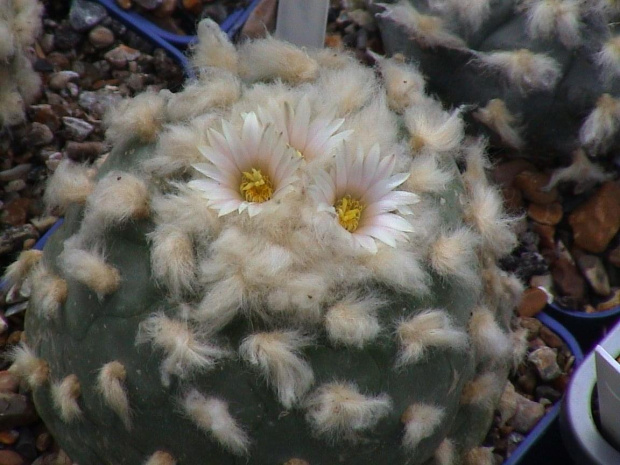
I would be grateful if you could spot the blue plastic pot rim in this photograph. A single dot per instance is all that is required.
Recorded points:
(578, 314)
(545, 422)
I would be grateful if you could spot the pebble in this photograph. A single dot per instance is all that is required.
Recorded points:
(77, 129)
(47, 114)
(43, 441)
(593, 270)
(545, 360)
(533, 326)
(568, 280)
(17, 172)
(611, 302)
(533, 300)
(99, 101)
(551, 339)
(84, 15)
(507, 404)
(8, 382)
(15, 186)
(16, 410)
(148, 4)
(261, 21)
(548, 392)
(10, 457)
(101, 37)
(119, 56)
(532, 185)
(40, 134)
(527, 414)
(15, 212)
(84, 151)
(597, 221)
(548, 214)
(11, 239)
(65, 38)
(59, 80)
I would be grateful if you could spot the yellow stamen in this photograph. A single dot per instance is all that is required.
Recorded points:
(349, 212)
(256, 186)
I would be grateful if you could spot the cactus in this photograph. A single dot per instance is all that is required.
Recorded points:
(291, 261)
(539, 76)
(20, 24)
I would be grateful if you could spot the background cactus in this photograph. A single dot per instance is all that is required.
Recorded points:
(293, 260)
(542, 75)
(20, 24)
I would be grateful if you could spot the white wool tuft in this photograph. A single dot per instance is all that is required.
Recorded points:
(470, 12)
(270, 59)
(172, 259)
(211, 415)
(453, 254)
(65, 396)
(301, 293)
(184, 350)
(432, 128)
(277, 356)
(374, 124)
(399, 268)
(111, 386)
(353, 320)
(608, 58)
(161, 458)
(429, 30)
(496, 116)
(601, 125)
(445, 454)
(117, 198)
(221, 303)
(403, 82)
(581, 171)
(524, 69)
(17, 271)
(339, 410)
(480, 456)
(426, 175)
(349, 89)
(486, 213)
(49, 292)
(90, 268)
(429, 328)
(139, 118)
(489, 340)
(476, 161)
(27, 20)
(26, 366)
(484, 390)
(420, 421)
(547, 18)
(213, 48)
(70, 183)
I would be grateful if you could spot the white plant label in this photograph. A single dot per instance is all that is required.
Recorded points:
(302, 22)
(608, 386)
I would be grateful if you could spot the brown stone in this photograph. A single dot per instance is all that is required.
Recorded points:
(10, 457)
(193, 6)
(165, 9)
(8, 381)
(333, 41)
(532, 325)
(119, 56)
(597, 221)
(593, 269)
(101, 37)
(533, 300)
(614, 256)
(610, 303)
(124, 4)
(550, 338)
(567, 279)
(15, 410)
(546, 235)
(549, 214)
(43, 441)
(8, 437)
(261, 21)
(532, 185)
(513, 200)
(505, 173)
(15, 212)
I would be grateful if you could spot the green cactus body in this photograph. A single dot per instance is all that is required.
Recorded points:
(174, 321)
(540, 76)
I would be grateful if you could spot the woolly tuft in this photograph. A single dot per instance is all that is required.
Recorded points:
(608, 58)
(489, 340)
(484, 390)
(172, 259)
(49, 292)
(349, 89)
(433, 129)
(65, 396)
(601, 125)
(70, 183)
(90, 268)
(111, 385)
(582, 172)
(184, 351)
(420, 422)
(496, 116)
(277, 356)
(339, 410)
(470, 12)
(212, 416)
(445, 454)
(221, 303)
(525, 70)
(353, 320)
(561, 18)
(138, 119)
(33, 371)
(27, 21)
(401, 269)
(453, 253)
(428, 30)
(403, 82)
(426, 175)
(479, 456)
(429, 328)
(213, 48)
(271, 59)
(161, 458)
(17, 271)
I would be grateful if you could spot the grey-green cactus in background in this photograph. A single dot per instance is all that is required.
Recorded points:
(541, 76)
(20, 24)
(291, 261)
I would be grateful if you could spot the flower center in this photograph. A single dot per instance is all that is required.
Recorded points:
(349, 212)
(256, 186)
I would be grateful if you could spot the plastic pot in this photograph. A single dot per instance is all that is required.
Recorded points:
(583, 439)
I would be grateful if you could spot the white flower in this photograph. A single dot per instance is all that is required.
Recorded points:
(248, 169)
(359, 194)
(313, 138)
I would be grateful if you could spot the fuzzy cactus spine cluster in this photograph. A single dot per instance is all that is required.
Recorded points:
(539, 76)
(20, 24)
(291, 261)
